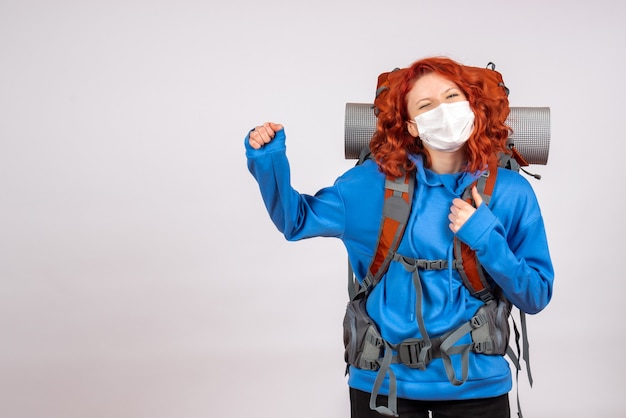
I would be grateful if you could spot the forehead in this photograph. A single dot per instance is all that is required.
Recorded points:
(430, 85)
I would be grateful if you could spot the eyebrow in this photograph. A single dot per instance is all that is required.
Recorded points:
(429, 98)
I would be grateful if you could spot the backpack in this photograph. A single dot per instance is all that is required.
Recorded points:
(489, 327)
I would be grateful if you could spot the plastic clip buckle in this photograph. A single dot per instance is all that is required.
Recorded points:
(477, 321)
(437, 265)
(482, 347)
(409, 352)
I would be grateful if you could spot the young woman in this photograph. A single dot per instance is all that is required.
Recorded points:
(439, 121)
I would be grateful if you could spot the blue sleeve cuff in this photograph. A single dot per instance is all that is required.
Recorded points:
(477, 226)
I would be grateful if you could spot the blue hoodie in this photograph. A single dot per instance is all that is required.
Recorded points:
(508, 236)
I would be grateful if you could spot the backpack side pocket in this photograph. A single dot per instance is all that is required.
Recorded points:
(362, 341)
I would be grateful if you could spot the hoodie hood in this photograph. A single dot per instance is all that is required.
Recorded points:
(455, 183)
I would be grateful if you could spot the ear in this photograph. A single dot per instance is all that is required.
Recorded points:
(411, 126)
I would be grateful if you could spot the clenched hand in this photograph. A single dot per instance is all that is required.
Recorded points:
(263, 134)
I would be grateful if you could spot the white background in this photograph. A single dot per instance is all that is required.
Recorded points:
(140, 275)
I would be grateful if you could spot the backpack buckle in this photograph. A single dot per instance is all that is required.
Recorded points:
(436, 264)
(482, 347)
(477, 321)
(409, 353)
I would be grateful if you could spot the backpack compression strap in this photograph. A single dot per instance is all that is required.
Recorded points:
(470, 269)
(396, 209)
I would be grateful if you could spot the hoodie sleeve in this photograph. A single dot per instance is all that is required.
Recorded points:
(511, 244)
(296, 215)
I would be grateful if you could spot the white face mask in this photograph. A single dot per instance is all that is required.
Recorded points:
(446, 127)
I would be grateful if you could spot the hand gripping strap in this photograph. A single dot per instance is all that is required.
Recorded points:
(470, 269)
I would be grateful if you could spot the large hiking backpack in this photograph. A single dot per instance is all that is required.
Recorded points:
(489, 327)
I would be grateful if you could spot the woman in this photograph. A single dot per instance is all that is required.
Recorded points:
(438, 120)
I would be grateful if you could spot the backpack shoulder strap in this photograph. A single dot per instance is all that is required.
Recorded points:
(396, 210)
(396, 207)
(472, 273)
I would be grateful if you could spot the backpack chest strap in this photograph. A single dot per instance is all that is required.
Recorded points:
(424, 264)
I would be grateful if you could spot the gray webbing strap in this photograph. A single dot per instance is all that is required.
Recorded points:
(417, 283)
(525, 346)
(398, 185)
(425, 264)
(353, 284)
(476, 322)
(385, 367)
(480, 186)
(514, 358)
(524, 354)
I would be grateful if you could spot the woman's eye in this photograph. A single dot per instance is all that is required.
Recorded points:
(424, 106)
(452, 95)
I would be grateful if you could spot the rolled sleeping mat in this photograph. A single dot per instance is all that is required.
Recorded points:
(530, 125)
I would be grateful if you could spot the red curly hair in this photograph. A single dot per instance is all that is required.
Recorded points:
(487, 96)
